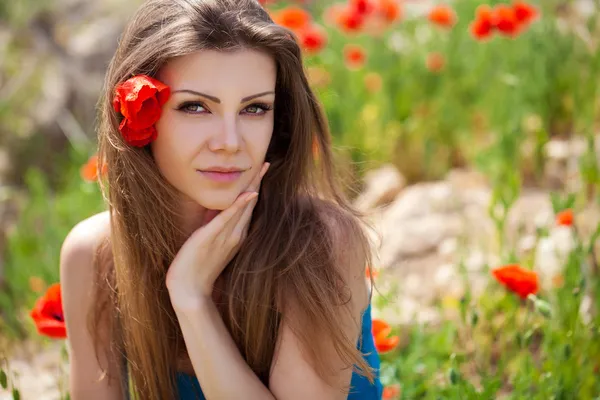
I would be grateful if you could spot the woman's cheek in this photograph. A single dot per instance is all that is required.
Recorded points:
(257, 134)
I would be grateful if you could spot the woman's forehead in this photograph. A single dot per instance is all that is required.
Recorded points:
(243, 70)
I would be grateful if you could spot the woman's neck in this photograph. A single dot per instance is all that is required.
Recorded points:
(193, 216)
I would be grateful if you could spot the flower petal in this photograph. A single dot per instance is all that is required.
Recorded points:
(387, 345)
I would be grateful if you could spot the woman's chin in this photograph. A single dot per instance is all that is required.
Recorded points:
(219, 203)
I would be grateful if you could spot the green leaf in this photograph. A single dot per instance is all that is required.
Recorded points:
(3, 379)
(453, 375)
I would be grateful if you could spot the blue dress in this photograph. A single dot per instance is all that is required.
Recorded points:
(362, 389)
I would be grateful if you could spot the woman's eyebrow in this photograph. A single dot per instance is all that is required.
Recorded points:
(217, 100)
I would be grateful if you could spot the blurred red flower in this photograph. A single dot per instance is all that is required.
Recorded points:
(313, 38)
(381, 331)
(347, 18)
(389, 10)
(565, 217)
(435, 62)
(47, 314)
(509, 20)
(363, 7)
(505, 20)
(391, 392)
(356, 15)
(89, 171)
(517, 279)
(442, 15)
(354, 56)
(292, 17)
(483, 25)
(524, 12)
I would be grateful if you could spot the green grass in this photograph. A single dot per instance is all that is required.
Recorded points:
(491, 102)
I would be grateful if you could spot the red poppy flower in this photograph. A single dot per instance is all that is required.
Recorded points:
(138, 138)
(480, 30)
(565, 217)
(521, 281)
(391, 392)
(363, 7)
(435, 62)
(140, 100)
(524, 12)
(505, 20)
(348, 19)
(354, 56)
(89, 171)
(313, 39)
(485, 13)
(293, 17)
(381, 330)
(482, 27)
(442, 15)
(389, 10)
(48, 314)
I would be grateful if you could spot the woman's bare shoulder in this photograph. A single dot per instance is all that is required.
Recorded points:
(78, 249)
(90, 230)
(77, 277)
(85, 236)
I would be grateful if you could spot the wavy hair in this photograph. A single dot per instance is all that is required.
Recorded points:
(290, 252)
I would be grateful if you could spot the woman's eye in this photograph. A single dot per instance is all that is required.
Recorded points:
(257, 109)
(192, 108)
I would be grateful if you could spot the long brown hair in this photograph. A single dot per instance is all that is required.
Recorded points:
(291, 252)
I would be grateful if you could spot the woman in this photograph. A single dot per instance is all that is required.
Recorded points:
(229, 264)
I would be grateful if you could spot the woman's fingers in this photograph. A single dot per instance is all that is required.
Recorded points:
(224, 223)
(242, 218)
(219, 223)
(240, 230)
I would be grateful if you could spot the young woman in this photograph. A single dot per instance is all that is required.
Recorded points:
(229, 264)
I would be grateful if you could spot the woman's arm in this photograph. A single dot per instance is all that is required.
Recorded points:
(224, 374)
(76, 278)
(218, 364)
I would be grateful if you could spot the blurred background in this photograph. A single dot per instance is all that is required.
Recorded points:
(468, 130)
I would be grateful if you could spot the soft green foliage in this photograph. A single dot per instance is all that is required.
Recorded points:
(494, 105)
(33, 247)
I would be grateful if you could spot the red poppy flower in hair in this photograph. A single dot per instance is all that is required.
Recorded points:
(140, 100)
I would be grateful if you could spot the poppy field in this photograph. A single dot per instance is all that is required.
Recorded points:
(507, 88)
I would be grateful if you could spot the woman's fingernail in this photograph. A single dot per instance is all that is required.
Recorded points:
(251, 196)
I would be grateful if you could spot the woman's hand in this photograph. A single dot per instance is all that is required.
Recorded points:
(202, 258)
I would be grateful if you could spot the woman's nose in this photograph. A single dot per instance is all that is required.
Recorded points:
(226, 137)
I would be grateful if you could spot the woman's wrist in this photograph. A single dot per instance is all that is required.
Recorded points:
(191, 304)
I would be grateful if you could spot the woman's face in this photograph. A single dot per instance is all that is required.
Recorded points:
(219, 115)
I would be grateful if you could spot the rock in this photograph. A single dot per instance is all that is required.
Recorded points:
(409, 239)
(585, 8)
(467, 179)
(562, 167)
(381, 187)
(40, 373)
(532, 209)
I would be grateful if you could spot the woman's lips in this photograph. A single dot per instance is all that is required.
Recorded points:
(221, 176)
